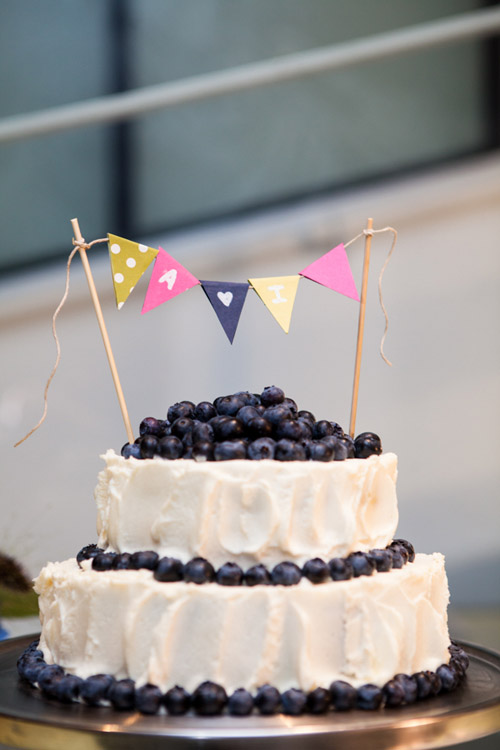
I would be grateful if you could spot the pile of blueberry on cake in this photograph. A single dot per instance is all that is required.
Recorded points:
(247, 425)
(239, 584)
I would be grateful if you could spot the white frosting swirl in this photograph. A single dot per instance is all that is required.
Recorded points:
(247, 511)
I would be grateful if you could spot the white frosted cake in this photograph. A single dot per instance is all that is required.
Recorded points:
(241, 584)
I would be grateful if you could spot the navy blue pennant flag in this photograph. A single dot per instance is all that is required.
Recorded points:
(227, 298)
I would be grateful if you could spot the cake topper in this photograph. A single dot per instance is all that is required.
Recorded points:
(129, 261)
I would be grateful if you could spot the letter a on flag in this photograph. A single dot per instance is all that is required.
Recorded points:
(278, 295)
(129, 260)
(333, 270)
(227, 299)
(168, 280)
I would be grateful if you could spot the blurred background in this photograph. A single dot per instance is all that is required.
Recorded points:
(256, 183)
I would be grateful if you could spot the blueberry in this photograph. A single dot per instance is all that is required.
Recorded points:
(268, 700)
(202, 431)
(150, 426)
(318, 701)
(251, 399)
(305, 428)
(397, 559)
(340, 451)
(286, 574)
(435, 681)
(30, 668)
(291, 404)
(307, 415)
(458, 653)
(148, 699)
(424, 684)
(293, 702)
(343, 695)
(317, 450)
(230, 405)
(276, 414)
(261, 448)
(272, 395)
(246, 413)
(95, 689)
(408, 546)
(122, 694)
(230, 450)
(229, 574)
(188, 452)
(177, 701)
(198, 570)
(165, 428)
(369, 697)
(227, 428)
(393, 693)
(181, 409)
(170, 447)
(122, 561)
(209, 699)
(348, 442)
(147, 560)
(362, 564)
(131, 450)
(67, 689)
(448, 677)
(316, 570)
(203, 450)
(367, 444)
(33, 649)
(48, 677)
(148, 446)
(257, 575)
(258, 427)
(88, 552)
(409, 685)
(204, 411)
(340, 569)
(169, 570)
(181, 427)
(382, 558)
(240, 703)
(396, 547)
(187, 442)
(103, 561)
(321, 429)
(337, 429)
(288, 450)
(290, 429)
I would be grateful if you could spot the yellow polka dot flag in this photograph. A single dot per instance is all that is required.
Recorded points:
(278, 295)
(129, 260)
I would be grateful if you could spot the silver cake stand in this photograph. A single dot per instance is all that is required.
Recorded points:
(28, 720)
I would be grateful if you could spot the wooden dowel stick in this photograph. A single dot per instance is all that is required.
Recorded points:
(361, 329)
(104, 333)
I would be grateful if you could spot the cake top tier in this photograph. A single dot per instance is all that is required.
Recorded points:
(247, 425)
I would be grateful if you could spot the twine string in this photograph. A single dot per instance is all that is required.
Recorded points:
(78, 245)
(364, 233)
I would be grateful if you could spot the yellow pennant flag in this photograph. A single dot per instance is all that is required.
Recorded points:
(129, 260)
(278, 295)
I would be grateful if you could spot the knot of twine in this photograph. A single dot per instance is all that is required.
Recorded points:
(370, 233)
(79, 245)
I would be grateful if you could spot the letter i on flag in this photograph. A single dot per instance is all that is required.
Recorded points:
(169, 278)
(129, 260)
(333, 271)
(278, 295)
(227, 299)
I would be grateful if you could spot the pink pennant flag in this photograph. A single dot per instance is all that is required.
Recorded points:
(168, 280)
(333, 270)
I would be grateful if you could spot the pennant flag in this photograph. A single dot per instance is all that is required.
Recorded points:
(333, 270)
(129, 260)
(227, 299)
(278, 295)
(168, 280)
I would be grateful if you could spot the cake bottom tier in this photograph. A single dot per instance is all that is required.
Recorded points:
(127, 624)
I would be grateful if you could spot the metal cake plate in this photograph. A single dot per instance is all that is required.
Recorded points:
(28, 720)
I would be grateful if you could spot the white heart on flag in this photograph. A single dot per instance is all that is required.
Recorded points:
(169, 277)
(225, 297)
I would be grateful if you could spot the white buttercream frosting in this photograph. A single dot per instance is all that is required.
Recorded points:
(247, 511)
(362, 630)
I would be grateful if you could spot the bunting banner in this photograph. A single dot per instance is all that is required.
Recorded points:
(169, 278)
(129, 260)
(227, 299)
(278, 295)
(333, 271)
